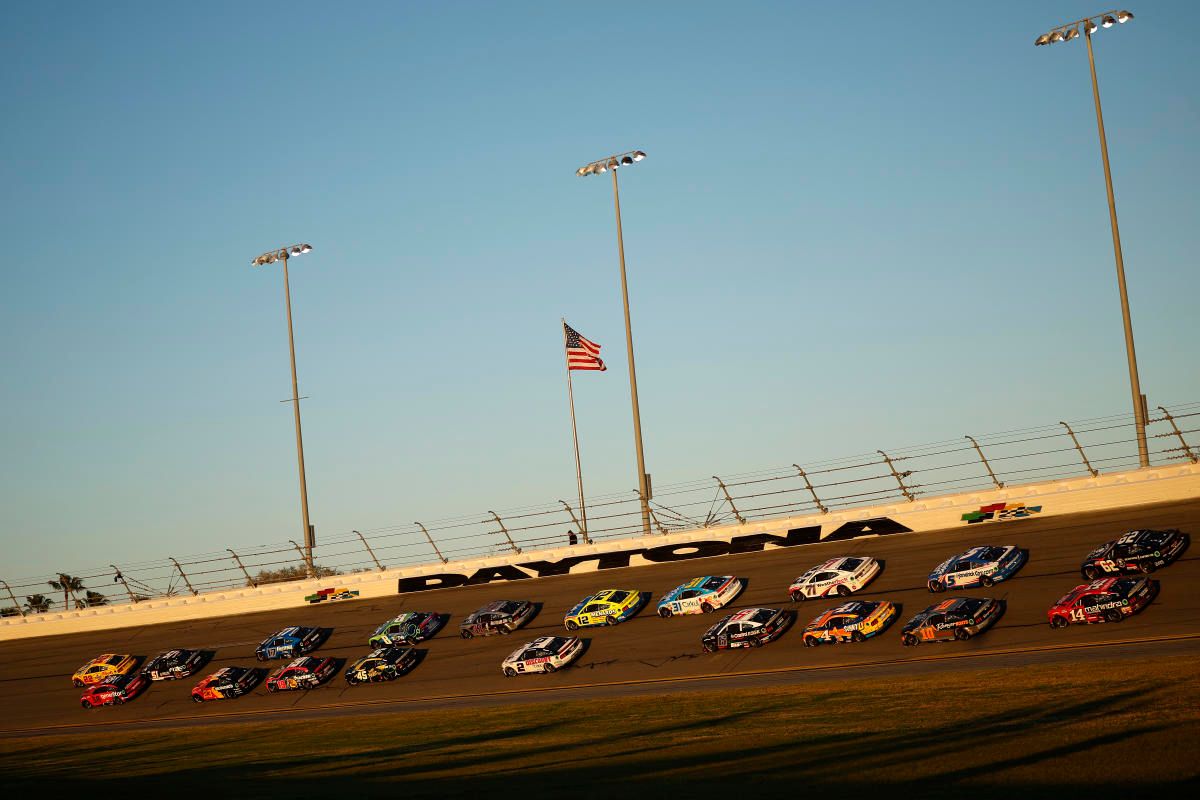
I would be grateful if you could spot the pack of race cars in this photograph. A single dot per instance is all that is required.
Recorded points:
(1116, 587)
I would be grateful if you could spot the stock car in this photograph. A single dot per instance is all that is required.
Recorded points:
(700, 595)
(381, 664)
(1105, 600)
(750, 627)
(842, 575)
(955, 618)
(102, 668)
(607, 607)
(173, 664)
(115, 690)
(855, 621)
(547, 654)
(225, 683)
(501, 616)
(407, 628)
(305, 672)
(289, 643)
(980, 566)
(1137, 551)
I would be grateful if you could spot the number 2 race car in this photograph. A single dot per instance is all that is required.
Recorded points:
(1137, 551)
(1105, 600)
(979, 566)
(226, 682)
(101, 668)
(289, 643)
(956, 618)
(700, 595)
(173, 664)
(407, 628)
(382, 664)
(750, 627)
(855, 621)
(608, 607)
(114, 691)
(546, 654)
(840, 576)
(502, 616)
(306, 672)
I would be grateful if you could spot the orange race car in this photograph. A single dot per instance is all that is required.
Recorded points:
(103, 668)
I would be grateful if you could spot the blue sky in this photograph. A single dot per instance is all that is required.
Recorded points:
(857, 227)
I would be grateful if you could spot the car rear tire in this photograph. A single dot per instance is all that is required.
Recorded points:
(118, 701)
(986, 582)
(1090, 573)
(467, 634)
(509, 672)
(572, 625)
(78, 683)
(549, 668)
(842, 589)
(1059, 622)
(962, 634)
(664, 612)
(85, 705)
(706, 608)
(272, 687)
(857, 636)
(1112, 615)
(755, 642)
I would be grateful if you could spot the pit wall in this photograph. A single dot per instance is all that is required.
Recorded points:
(1106, 492)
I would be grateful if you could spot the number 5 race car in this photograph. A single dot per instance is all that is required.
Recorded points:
(700, 595)
(383, 664)
(750, 627)
(840, 576)
(306, 672)
(979, 566)
(502, 616)
(1105, 600)
(226, 682)
(173, 664)
(289, 643)
(115, 691)
(956, 618)
(608, 607)
(855, 621)
(1137, 551)
(546, 654)
(407, 628)
(102, 668)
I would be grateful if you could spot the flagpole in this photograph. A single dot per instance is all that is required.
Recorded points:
(575, 436)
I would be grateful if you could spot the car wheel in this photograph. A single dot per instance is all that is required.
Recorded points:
(1112, 615)
(197, 698)
(811, 641)
(962, 634)
(797, 596)
(85, 705)
(118, 701)
(509, 672)
(1148, 567)
(842, 589)
(709, 647)
(1058, 622)
(986, 582)
(664, 612)
(467, 634)
(908, 640)
(505, 630)
(936, 586)
(1090, 573)
(260, 656)
(857, 636)
(706, 608)
(611, 620)
(272, 688)
(755, 642)
(572, 625)
(548, 668)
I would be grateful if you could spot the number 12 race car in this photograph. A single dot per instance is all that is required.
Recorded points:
(700, 595)
(173, 664)
(979, 566)
(546, 654)
(605, 608)
(1105, 600)
(750, 627)
(956, 618)
(306, 672)
(114, 691)
(855, 621)
(1137, 551)
(840, 576)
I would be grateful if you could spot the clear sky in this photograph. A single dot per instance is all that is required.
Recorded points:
(859, 225)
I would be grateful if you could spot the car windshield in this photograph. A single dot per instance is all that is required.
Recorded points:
(712, 584)
(967, 607)
(509, 607)
(762, 615)
(851, 564)
(618, 597)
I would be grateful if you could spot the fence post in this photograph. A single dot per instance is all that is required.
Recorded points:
(431, 544)
(13, 597)
(309, 570)
(811, 490)
(120, 577)
(369, 550)
(654, 517)
(504, 530)
(899, 476)
(729, 499)
(1086, 463)
(183, 575)
(988, 466)
(242, 566)
(575, 519)
(1191, 456)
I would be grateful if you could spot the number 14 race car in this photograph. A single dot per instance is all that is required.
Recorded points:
(1137, 551)
(1105, 600)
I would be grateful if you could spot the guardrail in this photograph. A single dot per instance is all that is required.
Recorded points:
(1047, 453)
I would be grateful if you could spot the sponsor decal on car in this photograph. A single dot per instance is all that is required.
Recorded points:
(998, 512)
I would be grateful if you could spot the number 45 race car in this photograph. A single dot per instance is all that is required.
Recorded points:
(1137, 551)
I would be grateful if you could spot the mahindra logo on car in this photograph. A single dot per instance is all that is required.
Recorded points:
(683, 551)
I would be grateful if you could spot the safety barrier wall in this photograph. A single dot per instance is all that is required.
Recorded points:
(1052, 498)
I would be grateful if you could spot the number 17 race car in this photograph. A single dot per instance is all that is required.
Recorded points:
(1137, 551)
(1105, 600)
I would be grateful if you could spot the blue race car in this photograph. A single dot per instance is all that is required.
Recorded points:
(289, 643)
(979, 566)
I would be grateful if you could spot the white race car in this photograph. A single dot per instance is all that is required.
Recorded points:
(841, 576)
(700, 595)
(546, 654)
(979, 566)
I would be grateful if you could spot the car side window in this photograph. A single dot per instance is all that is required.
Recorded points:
(591, 609)
(937, 619)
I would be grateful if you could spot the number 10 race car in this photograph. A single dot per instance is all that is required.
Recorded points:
(956, 618)
(1137, 551)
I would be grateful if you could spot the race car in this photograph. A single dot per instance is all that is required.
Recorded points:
(842, 575)
(1137, 551)
(382, 664)
(608, 607)
(955, 618)
(750, 627)
(501, 616)
(855, 621)
(983, 566)
(289, 643)
(700, 595)
(547, 654)
(225, 683)
(407, 628)
(114, 691)
(1105, 600)
(173, 664)
(102, 668)
(306, 672)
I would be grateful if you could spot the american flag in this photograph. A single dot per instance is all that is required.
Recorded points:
(581, 353)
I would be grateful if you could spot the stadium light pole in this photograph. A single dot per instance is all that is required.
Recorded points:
(599, 167)
(270, 257)
(1065, 33)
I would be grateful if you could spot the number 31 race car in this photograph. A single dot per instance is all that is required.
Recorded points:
(1105, 600)
(979, 566)
(546, 654)
(700, 595)
(1136, 551)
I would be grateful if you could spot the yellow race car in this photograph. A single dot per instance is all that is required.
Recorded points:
(103, 668)
(855, 621)
(608, 607)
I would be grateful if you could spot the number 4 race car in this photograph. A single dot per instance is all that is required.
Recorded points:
(306, 672)
(407, 628)
(1105, 600)
(502, 616)
(173, 664)
(115, 691)
(1137, 551)
(855, 621)
(102, 668)
(840, 576)
(608, 607)
(982, 566)
(750, 627)
(546, 654)
(226, 682)
(956, 618)
(382, 664)
(700, 595)
(289, 643)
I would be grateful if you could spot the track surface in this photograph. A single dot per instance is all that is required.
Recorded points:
(646, 654)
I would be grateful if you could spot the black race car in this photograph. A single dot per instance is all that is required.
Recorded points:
(382, 664)
(956, 618)
(501, 616)
(1141, 551)
(750, 627)
(173, 664)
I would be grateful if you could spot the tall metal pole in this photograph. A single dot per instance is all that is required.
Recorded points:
(309, 542)
(1139, 406)
(575, 437)
(644, 490)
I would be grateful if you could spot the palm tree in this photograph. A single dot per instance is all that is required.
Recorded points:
(68, 586)
(37, 603)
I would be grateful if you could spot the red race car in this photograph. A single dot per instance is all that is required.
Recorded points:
(1105, 600)
(119, 689)
(306, 672)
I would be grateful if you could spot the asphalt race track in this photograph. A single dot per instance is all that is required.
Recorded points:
(646, 654)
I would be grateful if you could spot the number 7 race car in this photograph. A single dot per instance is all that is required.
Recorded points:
(546, 654)
(1105, 600)
(700, 595)
(306, 672)
(979, 566)
(1137, 551)
(608, 607)
(840, 576)
(855, 621)
(956, 618)
(750, 627)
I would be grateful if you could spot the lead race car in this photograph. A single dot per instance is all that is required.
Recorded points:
(500, 616)
(855, 621)
(225, 683)
(1141, 551)
(1105, 600)
(700, 595)
(410, 627)
(984, 566)
(382, 664)
(750, 627)
(842, 576)
(547, 654)
(173, 664)
(955, 618)
(289, 643)
(306, 672)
